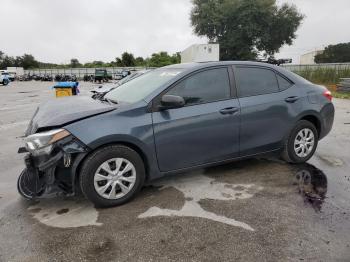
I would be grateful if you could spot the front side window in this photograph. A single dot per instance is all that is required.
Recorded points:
(204, 87)
(254, 81)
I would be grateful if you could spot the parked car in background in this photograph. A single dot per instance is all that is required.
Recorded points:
(122, 73)
(169, 120)
(12, 76)
(4, 78)
(99, 92)
(102, 75)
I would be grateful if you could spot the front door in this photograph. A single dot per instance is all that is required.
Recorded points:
(206, 129)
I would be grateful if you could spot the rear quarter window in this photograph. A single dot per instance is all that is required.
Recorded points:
(283, 83)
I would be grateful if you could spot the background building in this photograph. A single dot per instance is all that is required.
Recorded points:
(309, 58)
(201, 53)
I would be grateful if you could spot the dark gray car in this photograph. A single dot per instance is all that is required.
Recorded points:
(170, 120)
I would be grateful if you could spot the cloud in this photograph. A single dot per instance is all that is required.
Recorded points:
(56, 31)
(325, 23)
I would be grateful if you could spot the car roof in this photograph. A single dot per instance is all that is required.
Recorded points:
(188, 67)
(218, 63)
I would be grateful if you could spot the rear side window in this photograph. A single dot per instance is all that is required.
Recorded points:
(283, 83)
(254, 81)
(204, 87)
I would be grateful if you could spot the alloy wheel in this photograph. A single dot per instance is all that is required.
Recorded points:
(115, 178)
(304, 142)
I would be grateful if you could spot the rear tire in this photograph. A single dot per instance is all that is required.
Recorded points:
(106, 166)
(301, 143)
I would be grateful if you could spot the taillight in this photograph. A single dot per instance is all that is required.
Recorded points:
(328, 94)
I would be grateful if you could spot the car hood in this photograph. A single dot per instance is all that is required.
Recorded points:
(62, 111)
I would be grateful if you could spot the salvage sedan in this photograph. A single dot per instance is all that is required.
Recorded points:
(167, 121)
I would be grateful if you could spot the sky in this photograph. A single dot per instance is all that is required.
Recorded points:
(58, 30)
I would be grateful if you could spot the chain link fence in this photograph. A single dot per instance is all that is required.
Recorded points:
(81, 72)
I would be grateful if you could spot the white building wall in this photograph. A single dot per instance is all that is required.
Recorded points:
(309, 58)
(201, 53)
(16, 70)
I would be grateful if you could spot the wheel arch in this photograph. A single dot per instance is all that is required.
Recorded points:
(314, 119)
(131, 143)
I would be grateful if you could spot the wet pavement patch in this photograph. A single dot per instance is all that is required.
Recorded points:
(196, 187)
(62, 211)
(106, 248)
(35, 210)
(65, 213)
(312, 185)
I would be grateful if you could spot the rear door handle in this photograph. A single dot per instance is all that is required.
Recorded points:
(229, 110)
(291, 99)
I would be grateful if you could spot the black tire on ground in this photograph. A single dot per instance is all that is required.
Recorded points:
(5, 82)
(98, 157)
(29, 186)
(288, 153)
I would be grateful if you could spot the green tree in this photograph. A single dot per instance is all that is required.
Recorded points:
(98, 63)
(139, 61)
(128, 59)
(162, 59)
(28, 62)
(339, 53)
(245, 28)
(119, 62)
(74, 63)
(176, 58)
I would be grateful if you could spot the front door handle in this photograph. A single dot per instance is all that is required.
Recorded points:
(291, 99)
(229, 110)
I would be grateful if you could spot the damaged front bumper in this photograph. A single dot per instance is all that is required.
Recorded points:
(54, 173)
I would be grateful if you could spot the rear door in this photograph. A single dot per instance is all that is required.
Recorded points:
(265, 115)
(206, 129)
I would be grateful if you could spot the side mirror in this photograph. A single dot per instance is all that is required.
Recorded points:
(170, 102)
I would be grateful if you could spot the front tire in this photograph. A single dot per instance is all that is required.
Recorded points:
(112, 176)
(301, 143)
(29, 185)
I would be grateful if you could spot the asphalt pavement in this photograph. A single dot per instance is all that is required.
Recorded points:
(253, 210)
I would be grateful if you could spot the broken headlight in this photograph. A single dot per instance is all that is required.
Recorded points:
(42, 142)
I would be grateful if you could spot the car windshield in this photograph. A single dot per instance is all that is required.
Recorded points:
(128, 78)
(142, 86)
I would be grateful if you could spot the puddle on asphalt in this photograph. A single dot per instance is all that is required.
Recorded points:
(197, 187)
(65, 213)
(62, 211)
(69, 213)
(312, 185)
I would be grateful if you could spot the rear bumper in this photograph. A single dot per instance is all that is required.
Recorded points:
(327, 119)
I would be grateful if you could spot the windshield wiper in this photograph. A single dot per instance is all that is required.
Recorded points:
(103, 99)
(111, 101)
